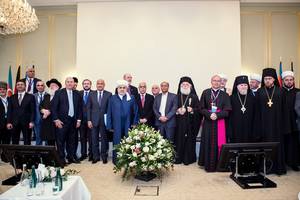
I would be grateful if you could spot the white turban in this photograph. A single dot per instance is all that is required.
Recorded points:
(287, 73)
(122, 83)
(256, 77)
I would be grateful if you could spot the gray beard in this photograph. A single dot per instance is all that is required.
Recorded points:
(243, 92)
(185, 91)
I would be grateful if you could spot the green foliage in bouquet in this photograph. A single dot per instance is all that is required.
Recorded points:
(144, 150)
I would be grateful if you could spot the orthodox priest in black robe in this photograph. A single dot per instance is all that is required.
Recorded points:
(188, 120)
(241, 117)
(270, 113)
(291, 132)
(215, 107)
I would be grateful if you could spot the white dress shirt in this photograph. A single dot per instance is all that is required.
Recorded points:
(163, 103)
(5, 103)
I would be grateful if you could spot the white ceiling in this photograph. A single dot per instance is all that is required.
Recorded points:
(74, 2)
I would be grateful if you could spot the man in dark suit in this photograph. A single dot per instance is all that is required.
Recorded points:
(20, 114)
(85, 131)
(164, 107)
(66, 111)
(96, 114)
(39, 97)
(30, 81)
(5, 136)
(130, 89)
(145, 105)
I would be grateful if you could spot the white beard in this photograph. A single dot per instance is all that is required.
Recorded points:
(52, 92)
(185, 91)
(243, 92)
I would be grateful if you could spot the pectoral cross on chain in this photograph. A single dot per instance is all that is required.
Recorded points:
(270, 103)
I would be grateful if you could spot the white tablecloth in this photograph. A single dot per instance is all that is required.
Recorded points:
(73, 189)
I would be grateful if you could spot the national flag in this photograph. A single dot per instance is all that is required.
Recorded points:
(17, 77)
(280, 74)
(9, 83)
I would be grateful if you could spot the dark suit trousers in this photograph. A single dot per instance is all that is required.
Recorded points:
(5, 136)
(65, 139)
(95, 142)
(85, 137)
(167, 133)
(26, 131)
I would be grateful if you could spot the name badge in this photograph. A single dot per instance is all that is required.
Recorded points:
(214, 108)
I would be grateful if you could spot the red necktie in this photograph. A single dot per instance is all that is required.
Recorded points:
(143, 100)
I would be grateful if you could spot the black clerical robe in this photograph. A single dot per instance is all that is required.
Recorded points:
(240, 124)
(187, 127)
(290, 129)
(269, 119)
(213, 133)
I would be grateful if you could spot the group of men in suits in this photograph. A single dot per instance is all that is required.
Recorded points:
(61, 116)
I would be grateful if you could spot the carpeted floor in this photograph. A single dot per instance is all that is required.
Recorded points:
(184, 183)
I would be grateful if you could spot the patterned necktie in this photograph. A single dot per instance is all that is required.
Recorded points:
(143, 100)
(29, 85)
(100, 98)
(20, 99)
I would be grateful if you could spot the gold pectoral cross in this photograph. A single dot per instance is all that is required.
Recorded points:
(270, 103)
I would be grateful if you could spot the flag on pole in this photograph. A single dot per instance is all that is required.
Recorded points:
(292, 66)
(17, 77)
(9, 83)
(280, 74)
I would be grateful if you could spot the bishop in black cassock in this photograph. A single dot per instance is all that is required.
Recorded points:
(215, 107)
(241, 117)
(188, 120)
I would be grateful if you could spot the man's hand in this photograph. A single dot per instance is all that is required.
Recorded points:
(143, 120)
(46, 113)
(78, 123)
(189, 109)
(58, 123)
(31, 125)
(163, 118)
(213, 116)
(90, 124)
(9, 126)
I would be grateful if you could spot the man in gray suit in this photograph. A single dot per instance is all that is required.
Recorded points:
(164, 107)
(39, 96)
(96, 113)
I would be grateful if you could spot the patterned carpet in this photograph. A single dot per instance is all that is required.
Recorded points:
(184, 183)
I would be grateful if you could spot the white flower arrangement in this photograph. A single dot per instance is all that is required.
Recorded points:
(46, 174)
(144, 150)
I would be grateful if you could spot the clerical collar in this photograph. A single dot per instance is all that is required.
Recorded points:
(215, 90)
(288, 89)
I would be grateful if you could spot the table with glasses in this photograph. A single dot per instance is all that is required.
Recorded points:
(73, 189)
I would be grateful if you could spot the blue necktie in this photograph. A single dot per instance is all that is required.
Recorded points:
(85, 97)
